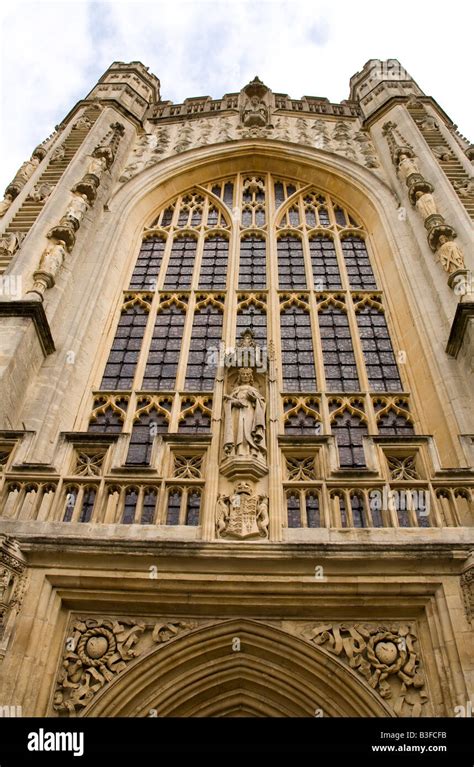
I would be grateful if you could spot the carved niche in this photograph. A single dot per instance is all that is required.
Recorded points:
(254, 105)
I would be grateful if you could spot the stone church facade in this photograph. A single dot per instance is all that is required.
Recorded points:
(236, 422)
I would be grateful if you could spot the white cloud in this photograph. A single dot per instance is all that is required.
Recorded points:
(54, 52)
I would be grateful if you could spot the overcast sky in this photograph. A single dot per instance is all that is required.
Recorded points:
(52, 53)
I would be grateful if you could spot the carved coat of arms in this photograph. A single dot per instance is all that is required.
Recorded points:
(242, 515)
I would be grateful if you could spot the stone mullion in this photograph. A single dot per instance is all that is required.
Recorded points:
(162, 504)
(325, 507)
(183, 362)
(348, 504)
(145, 346)
(139, 505)
(276, 495)
(366, 505)
(303, 511)
(172, 232)
(210, 492)
(200, 231)
(99, 505)
(78, 505)
(183, 505)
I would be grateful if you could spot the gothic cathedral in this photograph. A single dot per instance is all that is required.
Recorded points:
(236, 417)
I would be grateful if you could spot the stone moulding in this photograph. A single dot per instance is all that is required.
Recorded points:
(35, 311)
(464, 314)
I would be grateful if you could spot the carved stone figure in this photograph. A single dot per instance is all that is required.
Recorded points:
(53, 258)
(426, 205)
(13, 581)
(427, 123)
(50, 263)
(96, 166)
(5, 204)
(465, 188)
(244, 430)
(82, 122)
(76, 210)
(26, 170)
(10, 242)
(407, 165)
(450, 255)
(58, 154)
(40, 192)
(254, 113)
(441, 152)
(262, 515)
(242, 515)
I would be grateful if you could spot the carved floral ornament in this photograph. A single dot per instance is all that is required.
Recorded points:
(385, 655)
(98, 650)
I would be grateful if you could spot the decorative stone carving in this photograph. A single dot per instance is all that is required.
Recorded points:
(343, 139)
(244, 431)
(367, 149)
(13, 582)
(58, 154)
(98, 650)
(242, 515)
(23, 175)
(467, 588)
(76, 210)
(465, 188)
(10, 242)
(50, 263)
(440, 234)
(450, 255)
(5, 204)
(82, 122)
(254, 111)
(40, 192)
(185, 138)
(385, 655)
(322, 139)
(441, 152)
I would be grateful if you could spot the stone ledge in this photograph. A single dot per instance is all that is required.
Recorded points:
(34, 310)
(464, 313)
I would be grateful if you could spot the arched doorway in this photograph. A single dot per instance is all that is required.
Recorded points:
(238, 668)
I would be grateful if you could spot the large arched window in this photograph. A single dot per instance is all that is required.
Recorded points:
(274, 256)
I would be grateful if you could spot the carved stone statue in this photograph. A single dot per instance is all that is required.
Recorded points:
(441, 152)
(407, 165)
(58, 154)
(76, 209)
(426, 205)
(96, 166)
(450, 255)
(262, 515)
(242, 515)
(5, 204)
(465, 188)
(26, 170)
(40, 192)
(254, 113)
(52, 258)
(82, 122)
(50, 263)
(10, 242)
(244, 409)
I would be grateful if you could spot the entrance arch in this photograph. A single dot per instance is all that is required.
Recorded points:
(203, 673)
